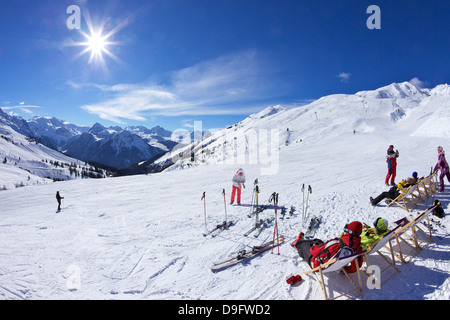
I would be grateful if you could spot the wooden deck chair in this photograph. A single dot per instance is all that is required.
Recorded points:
(336, 265)
(424, 186)
(419, 223)
(420, 193)
(404, 199)
(406, 224)
(377, 246)
(432, 184)
(399, 236)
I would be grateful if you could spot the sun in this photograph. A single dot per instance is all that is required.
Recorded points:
(96, 43)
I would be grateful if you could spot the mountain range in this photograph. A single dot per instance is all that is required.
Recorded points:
(141, 150)
(114, 147)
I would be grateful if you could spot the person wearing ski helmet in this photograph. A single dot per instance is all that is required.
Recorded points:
(370, 235)
(316, 252)
(391, 160)
(351, 237)
(394, 191)
(238, 182)
(443, 166)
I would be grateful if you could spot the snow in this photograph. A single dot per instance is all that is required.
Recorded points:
(28, 162)
(140, 237)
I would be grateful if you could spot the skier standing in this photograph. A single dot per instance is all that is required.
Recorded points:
(443, 166)
(391, 160)
(238, 183)
(58, 198)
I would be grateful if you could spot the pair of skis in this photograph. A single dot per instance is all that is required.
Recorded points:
(245, 255)
(259, 227)
(221, 226)
(218, 228)
(313, 226)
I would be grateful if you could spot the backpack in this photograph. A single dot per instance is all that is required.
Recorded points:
(323, 252)
(438, 211)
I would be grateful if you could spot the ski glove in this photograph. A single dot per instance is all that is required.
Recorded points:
(294, 279)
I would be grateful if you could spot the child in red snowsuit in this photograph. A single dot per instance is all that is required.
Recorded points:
(238, 183)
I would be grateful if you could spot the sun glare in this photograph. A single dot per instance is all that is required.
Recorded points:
(96, 43)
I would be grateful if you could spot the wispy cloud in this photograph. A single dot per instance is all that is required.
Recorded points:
(217, 87)
(21, 107)
(344, 77)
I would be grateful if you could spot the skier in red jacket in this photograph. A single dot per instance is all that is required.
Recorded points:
(391, 160)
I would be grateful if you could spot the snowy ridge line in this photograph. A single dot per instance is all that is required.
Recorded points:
(156, 214)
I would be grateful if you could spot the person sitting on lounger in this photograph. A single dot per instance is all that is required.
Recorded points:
(316, 252)
(370, 235)
(394, 191)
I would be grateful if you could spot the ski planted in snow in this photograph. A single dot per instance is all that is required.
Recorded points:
(244, 255)
(313, 226)
(218, 228)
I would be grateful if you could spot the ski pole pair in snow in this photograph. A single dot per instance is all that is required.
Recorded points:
(274, 198)
(224, 202)
(305, 207)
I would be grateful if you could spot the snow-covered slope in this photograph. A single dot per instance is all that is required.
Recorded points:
(26, 162)
(140, 237)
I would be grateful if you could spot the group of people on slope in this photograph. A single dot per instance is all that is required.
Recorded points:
(356, 236)
(395, 190)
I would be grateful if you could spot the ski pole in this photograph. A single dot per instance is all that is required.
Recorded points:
(274, 197)
(257, 211)
(225, 204)
(307, 199)
(204, 206)
(303, 203)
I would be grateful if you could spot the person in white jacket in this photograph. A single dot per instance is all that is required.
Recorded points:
(238, 183)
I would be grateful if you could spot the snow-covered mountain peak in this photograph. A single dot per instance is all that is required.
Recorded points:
(394, 90)
(441, 90)
(269, 111)
(97, 129)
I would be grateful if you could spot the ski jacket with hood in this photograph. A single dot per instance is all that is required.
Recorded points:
(239, 178)
(442, 163)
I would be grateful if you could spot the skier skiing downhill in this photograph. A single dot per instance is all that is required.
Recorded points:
(58, 198)
(443, 166)
(391, 160)
(238, 182)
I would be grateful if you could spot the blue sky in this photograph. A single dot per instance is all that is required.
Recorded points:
(173, 62)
